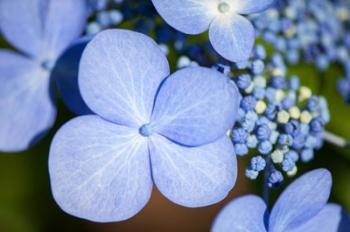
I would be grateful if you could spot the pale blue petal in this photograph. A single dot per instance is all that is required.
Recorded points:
(332, 218)
(26, 108)
(247, 213)
(65, 75)
(42, 28)
(120, 73)
(301, 200)
(21, 25)
(195, 106)
(193, 177)
(188, 16)
(254, 6)
(99, 171)
(64, 22)
(232, 36)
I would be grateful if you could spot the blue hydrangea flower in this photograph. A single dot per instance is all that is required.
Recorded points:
(147, 128)
(41, 31)
(301, 207)
(231, 34)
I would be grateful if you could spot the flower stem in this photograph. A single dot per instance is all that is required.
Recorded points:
(266, 189)
(336, 140)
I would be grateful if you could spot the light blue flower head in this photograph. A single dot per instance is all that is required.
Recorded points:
(148, 128)
(231, 34)
(301, 207)
(41, 31)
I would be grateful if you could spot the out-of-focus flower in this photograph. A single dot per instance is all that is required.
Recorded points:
(316, 31)
(313, 30)
(41, 31)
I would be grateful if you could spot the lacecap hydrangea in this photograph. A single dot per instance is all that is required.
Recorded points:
(280, 122)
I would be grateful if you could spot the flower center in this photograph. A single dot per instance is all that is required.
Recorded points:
(146, 130)
(48, 65)
(223, 7)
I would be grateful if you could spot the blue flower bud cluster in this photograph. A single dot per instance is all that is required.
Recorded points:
(99, 5)
(313, 30)
(279, 120)
(104, 16)
(191, 54)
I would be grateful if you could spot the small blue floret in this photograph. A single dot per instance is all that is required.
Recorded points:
(263, 132)
(258, 163)
(275, 179)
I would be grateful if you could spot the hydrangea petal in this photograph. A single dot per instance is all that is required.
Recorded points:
(196, 176)
(65, 21)
(26, 108)
(99, 171)
(65, 75)
(331, 218)
(188, 16)
(23, 32)
(247, 213)
(253, 6)
(189, 104)
(232, 36)
(42, 26)
(302, 200)
(120, 73)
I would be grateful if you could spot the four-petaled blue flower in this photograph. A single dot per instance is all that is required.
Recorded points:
(301, 207)
(148, 127)
(231, 34)
(41, 30)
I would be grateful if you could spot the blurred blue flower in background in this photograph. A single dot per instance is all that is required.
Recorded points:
(313, 30)
(301, 207)
(39, 30)
(231, 34)
(105, 18)
(101, 5)
(147, 128)
(343, 84)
